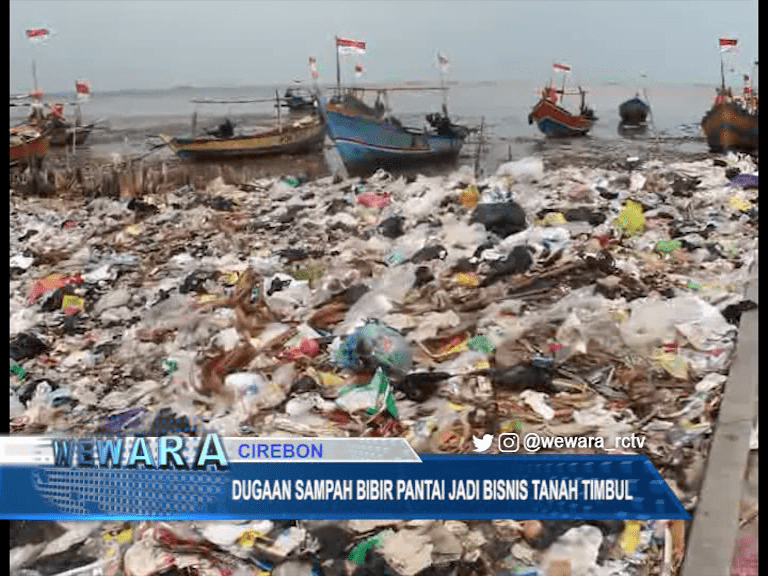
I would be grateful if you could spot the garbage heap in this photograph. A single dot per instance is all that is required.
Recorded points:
(570, 301)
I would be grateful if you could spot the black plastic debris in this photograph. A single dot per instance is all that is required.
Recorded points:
(501, 218)
(732, 313)
(519, 260)
(429, 253)
(423, 276)
(26, 345)
(584, 214)
(375, 565)
(52, 301)
(195, 282)
(354, 293)
(536, 375)
(293, 254)
(684, 186)
(482, 248)
(419, 386)
(392, 227)
(222, 204)
(731, 172)
(142, 207)
(277, 285)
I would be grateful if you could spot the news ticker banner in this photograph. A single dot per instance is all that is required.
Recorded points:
(212, 477)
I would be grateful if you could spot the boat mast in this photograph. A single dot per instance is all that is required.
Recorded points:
(34, 70)
(562, 98)
(279, 116)
(722, 72)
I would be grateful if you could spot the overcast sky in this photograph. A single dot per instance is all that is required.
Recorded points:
(123, 44)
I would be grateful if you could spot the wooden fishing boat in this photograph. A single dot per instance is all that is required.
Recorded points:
(555, 121)
(26, 142)
(368, 138)
(297, 98)
(300, 136)
(731, 125)
(67, 134)
(352, 104)
(634, 112)
(732, 122)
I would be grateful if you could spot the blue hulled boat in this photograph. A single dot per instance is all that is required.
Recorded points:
(634, 112)
(370, 140)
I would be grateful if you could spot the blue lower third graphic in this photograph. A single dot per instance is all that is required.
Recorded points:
(436, 486)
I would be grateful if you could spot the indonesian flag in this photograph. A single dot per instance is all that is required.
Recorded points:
(442, 61)
(83, 89)
(313, 67)
(38, 35)
(37, 94)
(564, 68)
(57, 109)
(358, 70)
(727, 44)
(348, 46)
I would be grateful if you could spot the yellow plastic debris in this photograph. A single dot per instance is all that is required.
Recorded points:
(121, 537)
(740, 203)
(676, 365)
(70, 302)
(552, 219)
(133, 229)
(330, 379)
(631, 220)
(470, 196)
(248, 538)
(465, 279)
(206, 298)
(231, 276)
(630, 538)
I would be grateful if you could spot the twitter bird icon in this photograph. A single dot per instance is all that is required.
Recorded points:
(482, 444)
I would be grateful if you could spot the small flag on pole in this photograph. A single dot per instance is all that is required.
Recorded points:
(313, 66)
(83, 89)
(358, 70)
(38, 35)
(727, 44)
(442, 61)
(564, 68)
(348, 46)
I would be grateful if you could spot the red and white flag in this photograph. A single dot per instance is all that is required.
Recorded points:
(313, 67)
(727, 44)
(83, 89)
(358, 70)
(442, 61)
(564, 68)
(38, 35)
(348, 46)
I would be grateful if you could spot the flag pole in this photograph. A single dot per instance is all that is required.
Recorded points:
(338, 69)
